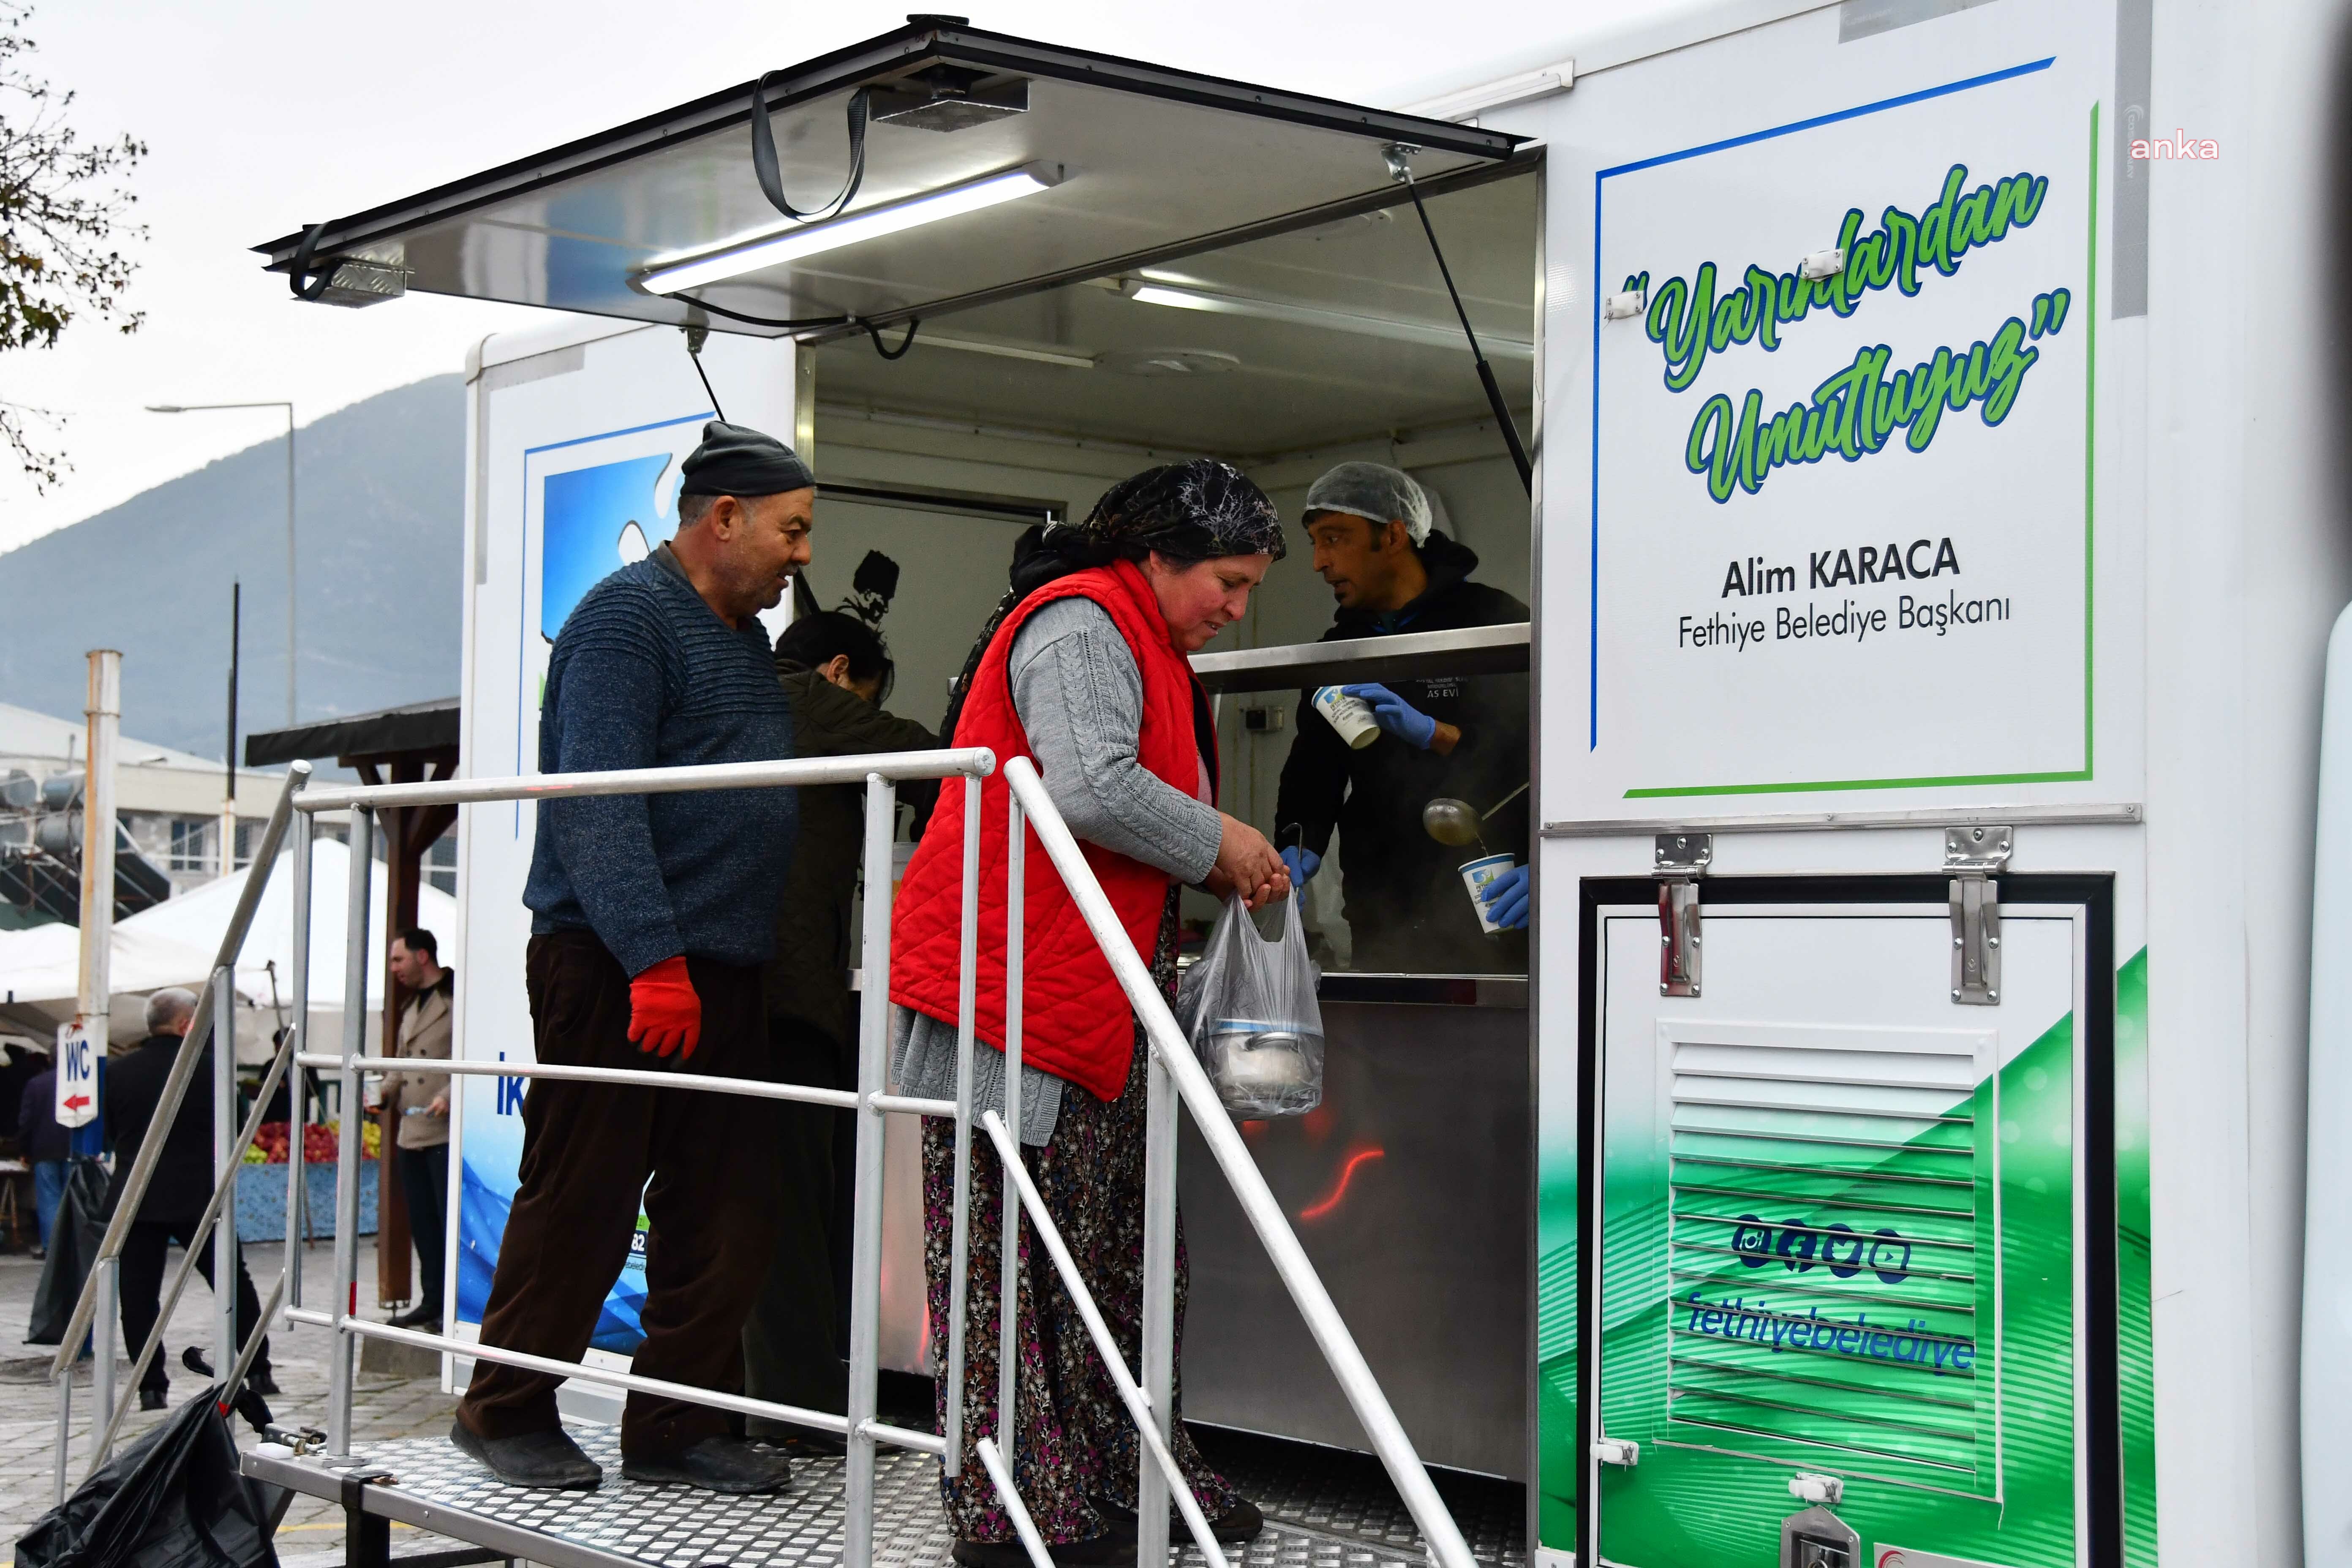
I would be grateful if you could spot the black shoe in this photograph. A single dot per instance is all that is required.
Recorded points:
(1108, 1550)
(194, 1360)
(549, 1460)
(153, 1399)
(426, 1315)
(802, 1442)
(715, 1464)
(1236, 1526)
(260, 1381)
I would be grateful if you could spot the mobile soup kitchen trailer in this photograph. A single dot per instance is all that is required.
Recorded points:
(1894, 1149)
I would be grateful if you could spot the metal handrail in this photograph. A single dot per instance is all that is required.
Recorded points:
(1438, 1530)
(895, 766)
(184, 1067)
(1171, 1063)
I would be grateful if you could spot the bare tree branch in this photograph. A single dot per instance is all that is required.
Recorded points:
(63, 215)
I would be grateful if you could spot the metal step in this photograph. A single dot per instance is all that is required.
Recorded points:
(626, 1524)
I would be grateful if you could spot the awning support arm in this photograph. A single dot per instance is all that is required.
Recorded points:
(1400, 157)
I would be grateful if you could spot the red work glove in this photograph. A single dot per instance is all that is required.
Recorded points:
(665, 1015)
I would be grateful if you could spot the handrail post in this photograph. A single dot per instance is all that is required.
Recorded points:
(1008, 1271)
(65, 1430)
(348, 1133)
(866, 1242)
(225, 1163)
(959, 1242)
(1159, 1304)
(298, 1037)
(102, 1381)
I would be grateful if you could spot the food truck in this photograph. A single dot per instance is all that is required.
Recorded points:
(1891, 1146)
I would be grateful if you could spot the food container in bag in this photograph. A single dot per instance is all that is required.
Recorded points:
(1248, 1007)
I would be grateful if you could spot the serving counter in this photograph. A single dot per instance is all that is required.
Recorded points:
(1411, 1189)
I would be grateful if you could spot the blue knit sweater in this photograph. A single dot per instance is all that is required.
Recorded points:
(645, 675)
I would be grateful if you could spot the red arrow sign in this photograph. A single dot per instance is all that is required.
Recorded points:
(76, 1101)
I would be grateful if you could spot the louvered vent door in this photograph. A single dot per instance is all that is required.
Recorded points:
(1823, 1243)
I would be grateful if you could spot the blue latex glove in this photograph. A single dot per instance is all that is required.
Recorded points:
(1303, 864)
(1505, 899)
(1398, 717)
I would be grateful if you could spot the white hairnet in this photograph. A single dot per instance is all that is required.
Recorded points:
(1376, 491)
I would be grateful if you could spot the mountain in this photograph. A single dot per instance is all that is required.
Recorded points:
(380, 498)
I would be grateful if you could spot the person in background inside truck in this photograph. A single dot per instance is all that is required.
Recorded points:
(836, 672)
(420, 1108)
(1083, 668)
(651, 918)
(1464, 738)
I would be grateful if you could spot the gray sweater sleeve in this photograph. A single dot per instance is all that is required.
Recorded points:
(1080, 696)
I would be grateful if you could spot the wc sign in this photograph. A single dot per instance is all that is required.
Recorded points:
(79, 1050)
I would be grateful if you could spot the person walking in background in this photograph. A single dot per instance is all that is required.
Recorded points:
(44, 1144)
(177, 1195)
(836, 672)
(651, 917)
(419, 1103)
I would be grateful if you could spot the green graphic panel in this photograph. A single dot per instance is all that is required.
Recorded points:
(1556, 1359)
(2136, 1348)
(1813, 1286)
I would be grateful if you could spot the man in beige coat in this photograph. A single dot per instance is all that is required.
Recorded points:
(419, 1103)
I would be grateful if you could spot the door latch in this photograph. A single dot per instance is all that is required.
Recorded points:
(1620, 1451)
(1819, 1539)
(1681, 859)
(1975, 857)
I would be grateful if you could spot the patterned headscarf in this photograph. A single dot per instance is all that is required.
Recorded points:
(1187, 511)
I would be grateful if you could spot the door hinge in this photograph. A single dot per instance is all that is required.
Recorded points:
(1618, 1451)
(1680, 859)
(1975, 857)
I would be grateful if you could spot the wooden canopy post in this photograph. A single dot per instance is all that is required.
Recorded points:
(414, 743)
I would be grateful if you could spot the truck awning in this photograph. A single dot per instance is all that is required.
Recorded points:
(1051, 165)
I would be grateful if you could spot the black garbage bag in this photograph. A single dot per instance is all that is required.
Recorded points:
(174, 1498)
(74, 1242)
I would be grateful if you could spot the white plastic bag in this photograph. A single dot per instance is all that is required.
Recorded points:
(1248, 1007)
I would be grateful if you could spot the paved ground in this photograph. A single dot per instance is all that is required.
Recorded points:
(386, 1406)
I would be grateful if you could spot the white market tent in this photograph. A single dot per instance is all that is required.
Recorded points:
(173, 943)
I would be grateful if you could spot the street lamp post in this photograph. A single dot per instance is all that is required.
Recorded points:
(289, 407)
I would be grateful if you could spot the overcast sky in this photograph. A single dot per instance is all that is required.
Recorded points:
(262, 115)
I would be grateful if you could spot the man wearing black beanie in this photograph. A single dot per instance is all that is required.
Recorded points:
(651, 917)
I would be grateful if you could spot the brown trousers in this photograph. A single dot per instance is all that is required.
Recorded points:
(587, 1152)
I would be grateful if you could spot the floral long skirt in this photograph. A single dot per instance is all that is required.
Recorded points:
(1074, 1447)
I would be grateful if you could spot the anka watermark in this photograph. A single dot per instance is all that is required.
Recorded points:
(2180, 144)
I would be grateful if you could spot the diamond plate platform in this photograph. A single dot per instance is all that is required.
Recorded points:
(628, 1524)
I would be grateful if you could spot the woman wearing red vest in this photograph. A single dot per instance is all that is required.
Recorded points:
(1083, 669)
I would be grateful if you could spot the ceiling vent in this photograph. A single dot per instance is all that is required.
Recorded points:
(1169, 361)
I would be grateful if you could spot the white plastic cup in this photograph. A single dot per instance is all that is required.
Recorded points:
(1476, 875)
(1351, 715)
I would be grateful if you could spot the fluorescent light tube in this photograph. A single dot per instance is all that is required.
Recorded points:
(1151, 293)
(670, 274)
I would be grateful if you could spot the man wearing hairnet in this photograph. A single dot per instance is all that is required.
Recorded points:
(1441, 735)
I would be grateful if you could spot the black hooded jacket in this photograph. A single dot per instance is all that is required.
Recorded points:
(1401, 891)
